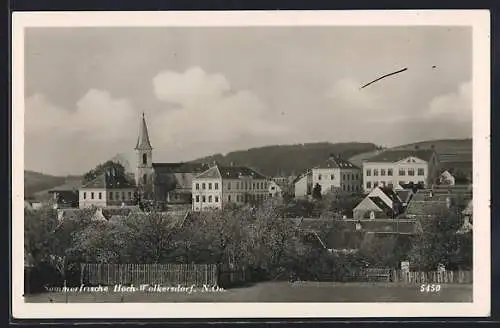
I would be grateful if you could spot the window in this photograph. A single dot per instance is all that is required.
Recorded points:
(92, 195)
(228, 198)
(145, 179)
(348, 187)
(331, 177)
(197, 186)
(357, 176)
(343, 187)
(352, 176)
(197, 198)
(210, 198)
(117, 195)
(84, 195)
(110, 195)
(203, 186)
(382, 172)
(420, 172)
(123, 195)
(402, 172)
(253, 186)
(272, 188)
(216, 186)
(319, 176)
(348, 176)
(129, 195)
(229, 186)
(368, 172)
(210, 186)
(100, 195)
(375, 172)
(216, 199)
(389, 172)
(144, 159)
(368, 185)
(203, 199)
(411, 172)
(375, 184)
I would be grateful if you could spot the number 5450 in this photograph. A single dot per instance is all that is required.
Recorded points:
(430, 288)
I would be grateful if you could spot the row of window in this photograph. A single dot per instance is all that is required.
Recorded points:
(237, 185)
(402, 172)
(385, 183)
(239, 198)
(345, 176)
(116, 195)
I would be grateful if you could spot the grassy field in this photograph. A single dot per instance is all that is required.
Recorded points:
(278, 292)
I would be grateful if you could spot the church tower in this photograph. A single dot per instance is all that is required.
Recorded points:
(144, 152)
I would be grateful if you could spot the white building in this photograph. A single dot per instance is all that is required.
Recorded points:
(222, 185)
(302, 185)
(105, 190)
(393, 167)
(337, 175)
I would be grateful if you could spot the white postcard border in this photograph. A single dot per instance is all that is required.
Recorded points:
(478, 19)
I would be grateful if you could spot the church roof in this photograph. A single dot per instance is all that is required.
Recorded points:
(160, 168)
(143, 139)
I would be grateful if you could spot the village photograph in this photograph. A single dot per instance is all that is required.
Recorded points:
(248, 164)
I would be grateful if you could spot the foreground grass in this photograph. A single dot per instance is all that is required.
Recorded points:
(277, 292)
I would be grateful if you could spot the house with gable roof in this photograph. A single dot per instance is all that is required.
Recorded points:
(222, 185)
(393, 167)
(383, 203)
(107, 189)
(337, 175)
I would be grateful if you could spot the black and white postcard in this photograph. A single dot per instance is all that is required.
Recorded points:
(250, 164)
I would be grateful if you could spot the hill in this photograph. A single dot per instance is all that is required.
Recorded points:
(34, 182)
(288, 159)
(452, 153)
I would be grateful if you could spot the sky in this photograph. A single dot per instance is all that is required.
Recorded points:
(214, 90)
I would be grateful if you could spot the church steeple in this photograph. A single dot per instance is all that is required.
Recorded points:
(144, 152)
(143, 139)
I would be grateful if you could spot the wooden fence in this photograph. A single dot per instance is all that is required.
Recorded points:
(433, 277)
(163, 274)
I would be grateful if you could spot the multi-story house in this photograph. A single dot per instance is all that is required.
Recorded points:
(337, 175)
(393, 167)
(223, 185)
(107, 189)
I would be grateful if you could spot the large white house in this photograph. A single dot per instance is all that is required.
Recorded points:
(393, 167)
(107, 189)
(222, 185)
(335, 175)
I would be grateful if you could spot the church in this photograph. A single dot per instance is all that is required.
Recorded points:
(170, 182)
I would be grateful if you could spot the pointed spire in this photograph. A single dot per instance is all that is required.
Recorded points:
(143, 139)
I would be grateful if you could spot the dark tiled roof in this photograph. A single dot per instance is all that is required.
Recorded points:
(337, 162)
(233, 172)
(300, 176)
(381, 204)
(381, 225)
(71, 186)
(425, 208)
(391, 156)
(167, 168)
(109, 181)
(404, 195)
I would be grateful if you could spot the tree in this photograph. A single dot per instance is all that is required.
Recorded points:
(117, 168)
(316, 193)
(438, 241)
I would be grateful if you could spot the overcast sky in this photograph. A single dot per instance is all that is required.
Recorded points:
(211, 90)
